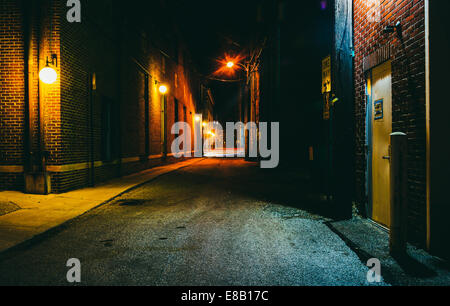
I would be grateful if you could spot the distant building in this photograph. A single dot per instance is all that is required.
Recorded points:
(207, 104)
(104, 116)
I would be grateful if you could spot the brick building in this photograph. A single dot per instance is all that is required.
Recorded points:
(392, 94)
(104, 116)
(208, 104)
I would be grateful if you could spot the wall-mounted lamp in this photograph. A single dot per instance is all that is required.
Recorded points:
(393, 28)
(163, 89)
(48, 75)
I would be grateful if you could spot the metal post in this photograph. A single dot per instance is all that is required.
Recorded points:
(399, 193)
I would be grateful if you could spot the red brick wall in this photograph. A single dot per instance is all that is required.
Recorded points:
(50, 95)
(13, 116)
(104, 44)
(97, 45)
(12, 95)
(408, 90)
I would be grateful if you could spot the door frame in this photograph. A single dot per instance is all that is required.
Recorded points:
(369, 139)
(369, 144)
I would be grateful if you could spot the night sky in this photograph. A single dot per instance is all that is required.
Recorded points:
(213, 28)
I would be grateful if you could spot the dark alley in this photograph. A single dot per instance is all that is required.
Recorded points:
(209, 224)
(265, 145)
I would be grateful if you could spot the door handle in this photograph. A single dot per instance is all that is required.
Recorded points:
(387, 157)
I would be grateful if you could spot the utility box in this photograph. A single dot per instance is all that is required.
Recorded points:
(38, 183)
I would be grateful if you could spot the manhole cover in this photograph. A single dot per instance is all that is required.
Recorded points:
(131, 202)
(107, 243)
(7, 208)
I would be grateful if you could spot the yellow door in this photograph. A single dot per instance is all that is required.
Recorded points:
(381, 99)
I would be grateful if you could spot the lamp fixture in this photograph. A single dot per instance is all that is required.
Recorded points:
(48, 75)
(393, 28)
(162, 88)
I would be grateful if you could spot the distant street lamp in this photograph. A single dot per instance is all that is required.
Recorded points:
(232, 65)
(163, 89)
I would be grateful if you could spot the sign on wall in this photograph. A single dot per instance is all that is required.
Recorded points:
(326, 75)
(379, 109)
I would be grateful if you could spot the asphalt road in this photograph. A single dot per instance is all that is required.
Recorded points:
(218, 222)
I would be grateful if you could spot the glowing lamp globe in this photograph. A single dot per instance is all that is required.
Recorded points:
(48, 75)
(230, 65)
(163, 89)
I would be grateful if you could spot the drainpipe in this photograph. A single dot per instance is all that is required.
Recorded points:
(41, 155)
(118, 117)
(36, 178)
(27, 30)
(91, 130)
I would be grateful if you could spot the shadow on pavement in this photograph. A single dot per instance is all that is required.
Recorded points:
(282, 186)
(412, 267)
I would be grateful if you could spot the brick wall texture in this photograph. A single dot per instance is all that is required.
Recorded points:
(12, 88)
(408, 93)
(90, 133)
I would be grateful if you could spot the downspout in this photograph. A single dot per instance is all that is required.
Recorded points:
(91, 131)
(27, 30)
(41, 155)
(147, 115)
(427, 93)
(118, 116)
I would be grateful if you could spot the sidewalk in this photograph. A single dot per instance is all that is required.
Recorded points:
(369, 241)
(27, 216)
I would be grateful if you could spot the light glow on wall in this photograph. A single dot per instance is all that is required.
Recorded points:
(163, 89)
(48, 75)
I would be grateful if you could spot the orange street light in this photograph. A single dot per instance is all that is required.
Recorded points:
(229, 65)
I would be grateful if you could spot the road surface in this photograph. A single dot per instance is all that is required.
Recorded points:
(217, 222)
